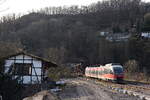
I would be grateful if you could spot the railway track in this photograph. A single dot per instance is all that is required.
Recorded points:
(131, 87)
(135, 88)
(142, 88)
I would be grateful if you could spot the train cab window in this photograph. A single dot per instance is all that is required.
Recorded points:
(118, 70)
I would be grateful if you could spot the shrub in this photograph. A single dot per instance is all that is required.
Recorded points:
(59, 72)
(131, 66)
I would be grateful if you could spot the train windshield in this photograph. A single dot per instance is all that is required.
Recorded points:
(118, 70)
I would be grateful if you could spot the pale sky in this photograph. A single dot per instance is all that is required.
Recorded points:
(23, 6)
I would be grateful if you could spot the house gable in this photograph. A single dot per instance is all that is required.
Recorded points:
(28, 67)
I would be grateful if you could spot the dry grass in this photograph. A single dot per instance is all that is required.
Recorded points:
(140, 77)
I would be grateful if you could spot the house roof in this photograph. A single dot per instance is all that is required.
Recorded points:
(31, 55)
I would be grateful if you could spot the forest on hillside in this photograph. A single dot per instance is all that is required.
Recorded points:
(63, 34)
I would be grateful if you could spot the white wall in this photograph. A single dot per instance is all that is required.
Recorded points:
(146, 35)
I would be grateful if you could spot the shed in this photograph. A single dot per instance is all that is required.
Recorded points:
(30, 69)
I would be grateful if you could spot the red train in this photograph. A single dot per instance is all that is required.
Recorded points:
(110, 71)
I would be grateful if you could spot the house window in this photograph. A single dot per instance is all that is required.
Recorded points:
(22, 69)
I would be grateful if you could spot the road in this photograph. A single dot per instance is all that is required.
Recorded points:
(78, 89)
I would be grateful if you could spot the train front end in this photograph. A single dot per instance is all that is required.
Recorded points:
(118, 73)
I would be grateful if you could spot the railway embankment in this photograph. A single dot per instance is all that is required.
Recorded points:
(133, 88)
(83, 89)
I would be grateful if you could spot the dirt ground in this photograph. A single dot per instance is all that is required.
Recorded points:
(43, 95)
(78, 89)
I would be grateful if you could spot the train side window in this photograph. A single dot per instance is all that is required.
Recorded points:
(107, 71)
(89, 71)
(96, 72)
(104, 71)
(99, 72)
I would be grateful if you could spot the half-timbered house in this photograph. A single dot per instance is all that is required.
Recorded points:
(30, 69)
